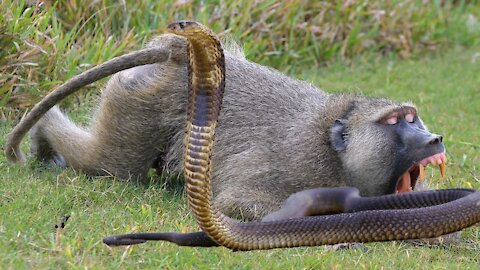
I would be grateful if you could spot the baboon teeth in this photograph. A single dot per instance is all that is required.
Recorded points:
(443, 169)
(421, 176)
(439, 159)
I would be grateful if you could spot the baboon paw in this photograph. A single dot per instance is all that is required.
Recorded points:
(59, 160)
(41, 149)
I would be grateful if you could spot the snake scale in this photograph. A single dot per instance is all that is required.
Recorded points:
(391, 217)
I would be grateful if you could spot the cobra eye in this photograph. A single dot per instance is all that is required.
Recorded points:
(410, 118)
(392, 120)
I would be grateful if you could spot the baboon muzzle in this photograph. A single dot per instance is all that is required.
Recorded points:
(419, 142)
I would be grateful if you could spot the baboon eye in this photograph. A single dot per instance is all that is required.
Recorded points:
(410, 117)
(392, 120)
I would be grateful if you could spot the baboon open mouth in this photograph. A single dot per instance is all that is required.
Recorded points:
(408, 180)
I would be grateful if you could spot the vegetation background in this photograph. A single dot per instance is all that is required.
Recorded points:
(424, 51)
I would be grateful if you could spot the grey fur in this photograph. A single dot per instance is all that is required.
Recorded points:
(273, 137)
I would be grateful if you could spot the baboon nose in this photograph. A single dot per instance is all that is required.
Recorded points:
(436, 139)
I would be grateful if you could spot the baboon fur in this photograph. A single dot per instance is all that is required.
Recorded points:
(273, 137)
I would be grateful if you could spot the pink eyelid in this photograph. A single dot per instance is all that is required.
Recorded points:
(392, 120)
(409, 117)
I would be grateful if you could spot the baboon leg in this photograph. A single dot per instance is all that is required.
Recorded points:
(57, 140)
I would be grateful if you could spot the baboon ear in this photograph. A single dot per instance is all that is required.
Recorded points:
(338, 136)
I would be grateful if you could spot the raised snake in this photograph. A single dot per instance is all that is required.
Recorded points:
(391, 217)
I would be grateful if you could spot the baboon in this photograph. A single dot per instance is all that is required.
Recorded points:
(276, 135)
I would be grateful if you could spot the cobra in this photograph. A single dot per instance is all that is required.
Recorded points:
(350, 218)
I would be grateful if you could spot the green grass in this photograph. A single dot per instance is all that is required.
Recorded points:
(425, 52)
(445, 87)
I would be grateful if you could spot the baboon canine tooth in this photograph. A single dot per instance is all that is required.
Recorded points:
(422, 172)
(443, 169)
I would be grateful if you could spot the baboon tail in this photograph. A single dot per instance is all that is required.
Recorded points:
(142, 57)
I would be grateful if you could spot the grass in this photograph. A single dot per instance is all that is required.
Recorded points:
(425, 52)
(445, 88)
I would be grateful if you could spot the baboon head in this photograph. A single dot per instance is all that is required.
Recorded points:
(384, 146)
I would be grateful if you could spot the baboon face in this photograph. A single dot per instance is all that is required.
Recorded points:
(385, 151)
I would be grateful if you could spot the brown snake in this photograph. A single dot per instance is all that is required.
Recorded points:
(391, 217)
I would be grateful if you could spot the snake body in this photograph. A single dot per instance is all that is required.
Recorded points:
(384, 218)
